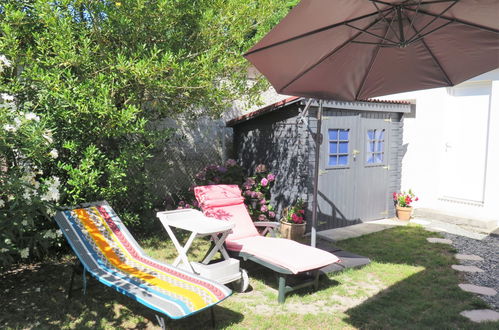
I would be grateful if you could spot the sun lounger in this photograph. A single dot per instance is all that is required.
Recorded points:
(284, 256)
(109, 253)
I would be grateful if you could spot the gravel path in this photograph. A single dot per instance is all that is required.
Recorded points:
(488, 249)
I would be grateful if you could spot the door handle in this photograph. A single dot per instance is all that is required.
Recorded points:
(355, 152)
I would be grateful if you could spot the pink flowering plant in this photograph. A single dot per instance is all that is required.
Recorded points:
(256, 191)
(228, 173)
(256, 188)
(404, 199)
(294, 213)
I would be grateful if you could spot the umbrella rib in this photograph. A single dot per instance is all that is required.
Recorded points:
(434, 18)
(417, 36)
(384, 19)
(435, 1)
(381, 44)
(404, 3)
(313, 32)
(334, 51)
(435, 60)
(373, 59)
(486, 28)
(382, 2)
(373, 34)
(415, 15)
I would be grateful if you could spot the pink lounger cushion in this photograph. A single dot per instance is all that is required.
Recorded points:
(225, 202)
(211, 201)
(284, 253)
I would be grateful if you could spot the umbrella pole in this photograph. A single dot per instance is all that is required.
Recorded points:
(318, 138)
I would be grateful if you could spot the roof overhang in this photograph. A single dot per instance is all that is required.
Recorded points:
(367, 105)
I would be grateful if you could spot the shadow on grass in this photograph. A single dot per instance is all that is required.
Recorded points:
(430, 298)
(35, 297)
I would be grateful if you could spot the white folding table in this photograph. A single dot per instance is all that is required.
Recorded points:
(199, 225)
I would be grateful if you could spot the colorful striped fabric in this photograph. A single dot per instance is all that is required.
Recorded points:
(109, 252)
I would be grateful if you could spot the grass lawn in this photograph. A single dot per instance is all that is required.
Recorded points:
(409, 284)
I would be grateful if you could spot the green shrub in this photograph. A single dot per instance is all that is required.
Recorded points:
(27, 193)
(97, 74)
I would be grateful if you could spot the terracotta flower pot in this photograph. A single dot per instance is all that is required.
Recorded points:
(404, 213)
(292, 231)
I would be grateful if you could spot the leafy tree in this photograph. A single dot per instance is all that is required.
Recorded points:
(99, 72)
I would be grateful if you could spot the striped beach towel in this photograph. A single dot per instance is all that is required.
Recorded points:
(108, 252)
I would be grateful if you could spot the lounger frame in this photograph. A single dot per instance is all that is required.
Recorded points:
(124, 283)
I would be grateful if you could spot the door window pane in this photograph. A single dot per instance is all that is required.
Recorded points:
(338, 147)
(333, 147)
(343, 148)
(375, 151)
(343, 134)
(342, 160)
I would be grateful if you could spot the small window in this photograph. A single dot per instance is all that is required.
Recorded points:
(375, 146)
(338, 147)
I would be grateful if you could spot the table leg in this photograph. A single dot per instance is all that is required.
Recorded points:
(219, 241)
(182, 250)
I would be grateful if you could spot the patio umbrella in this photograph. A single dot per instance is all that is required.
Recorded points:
(359, 49)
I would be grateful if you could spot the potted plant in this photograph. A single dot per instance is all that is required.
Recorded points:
(403, 205)
(293, 221)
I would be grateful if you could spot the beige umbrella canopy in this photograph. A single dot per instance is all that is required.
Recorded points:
(358, 49)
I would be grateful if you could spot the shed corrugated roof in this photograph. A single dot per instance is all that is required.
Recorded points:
(291, 100)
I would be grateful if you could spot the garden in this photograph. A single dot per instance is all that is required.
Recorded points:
(83, 84)
(407, 283)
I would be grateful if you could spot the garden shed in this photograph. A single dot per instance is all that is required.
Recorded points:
(361, 152)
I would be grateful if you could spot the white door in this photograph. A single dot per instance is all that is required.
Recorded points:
(465, 135)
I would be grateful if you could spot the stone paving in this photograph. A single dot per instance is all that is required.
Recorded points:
(478, 289)
(469, 269)
(481, 315)
(471, 257)
(439, 240)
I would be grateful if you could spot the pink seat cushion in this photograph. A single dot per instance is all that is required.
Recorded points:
(284, 253)
(211, 199)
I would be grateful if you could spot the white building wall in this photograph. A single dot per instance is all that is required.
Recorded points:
(452, 148)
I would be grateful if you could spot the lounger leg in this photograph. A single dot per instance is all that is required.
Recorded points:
(70, 289)
(161, 322)
(282, 289)
(76, 267)
(212, 311)
(316, 280)
(84, 288)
